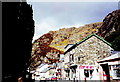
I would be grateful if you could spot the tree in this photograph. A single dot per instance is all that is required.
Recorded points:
(18, 30)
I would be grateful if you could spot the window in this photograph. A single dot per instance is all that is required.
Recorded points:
(72, 58)
(88, 72)
(91, 71)
(116, 70)
(78, 58)
(37, 75)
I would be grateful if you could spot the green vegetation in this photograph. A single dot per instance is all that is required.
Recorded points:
(114, 39)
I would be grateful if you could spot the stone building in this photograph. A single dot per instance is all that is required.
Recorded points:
(112, 63)
(87, 52)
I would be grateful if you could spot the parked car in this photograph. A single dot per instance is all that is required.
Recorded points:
(42, 78)
(47, 79)
(54, 78)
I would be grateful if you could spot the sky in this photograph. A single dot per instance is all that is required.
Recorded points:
(51, 16)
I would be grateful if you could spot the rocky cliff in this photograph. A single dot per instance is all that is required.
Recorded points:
(110, 23)
(110, 29)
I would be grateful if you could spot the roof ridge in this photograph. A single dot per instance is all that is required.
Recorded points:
(103, 40)
(93, 34)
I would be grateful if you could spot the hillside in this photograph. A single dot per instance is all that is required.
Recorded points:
(110, 29)
(72, 35)
(47, 48)
(110, 24)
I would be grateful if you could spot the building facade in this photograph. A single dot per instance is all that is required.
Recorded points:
(86, 52)
(113, 64)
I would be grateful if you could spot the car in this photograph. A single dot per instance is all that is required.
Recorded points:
(42, 78)
(54, 78)
(47, 79)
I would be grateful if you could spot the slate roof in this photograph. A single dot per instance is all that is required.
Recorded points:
(45, 70)
(114, 52)
(68, 45)
(110, 58)
(40, 65)
(48, 68)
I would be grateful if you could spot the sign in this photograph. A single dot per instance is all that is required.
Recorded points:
(86, 67)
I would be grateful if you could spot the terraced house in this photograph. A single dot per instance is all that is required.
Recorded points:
(80, 59)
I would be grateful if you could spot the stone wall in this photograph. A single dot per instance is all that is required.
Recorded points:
(90, 51)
